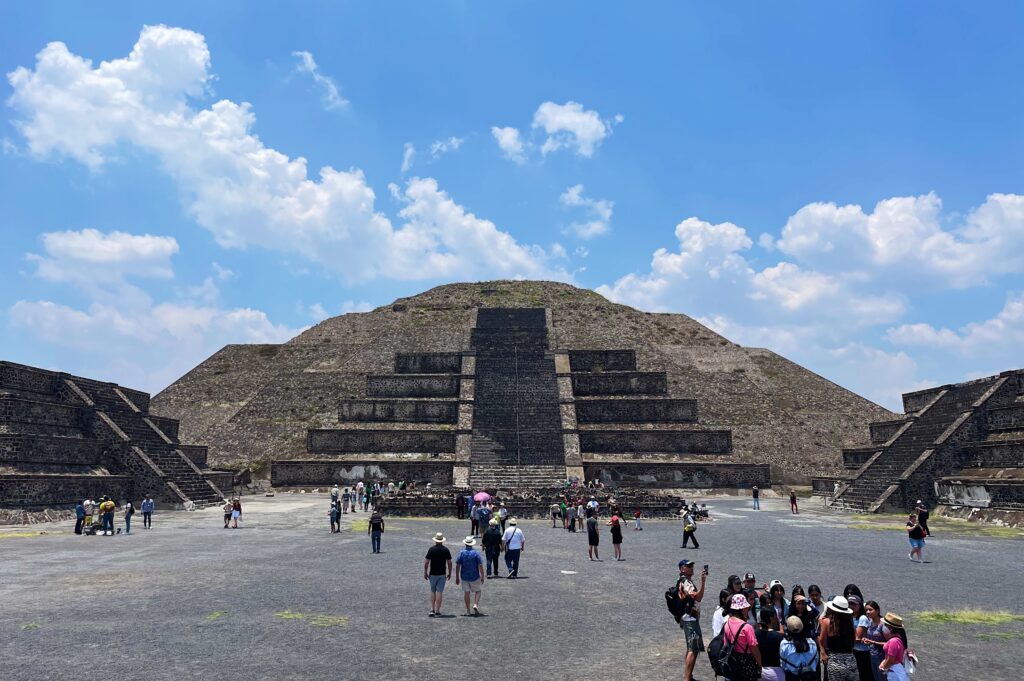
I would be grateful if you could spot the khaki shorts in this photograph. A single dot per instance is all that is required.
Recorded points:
(473, 586)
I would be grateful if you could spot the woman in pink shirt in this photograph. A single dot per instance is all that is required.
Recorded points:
(738, 629)
(895, 648)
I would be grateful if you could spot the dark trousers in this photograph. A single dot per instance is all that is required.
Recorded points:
(147, 519)
(503, 521)
(688, 535)
(512, 561)
(461, 511)
(375, 541)
(78, 525)
(227, 518)
(492, 560)
(108, 522)
(474, 526)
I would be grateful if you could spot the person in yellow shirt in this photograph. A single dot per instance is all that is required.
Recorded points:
(107, 507)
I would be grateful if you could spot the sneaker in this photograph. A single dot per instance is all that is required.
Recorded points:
(431, 614)
(476, 611)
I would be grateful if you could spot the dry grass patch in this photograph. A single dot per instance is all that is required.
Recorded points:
(967, 616)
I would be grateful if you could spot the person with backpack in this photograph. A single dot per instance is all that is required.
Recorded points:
(129, 511)
(333, 515)
(689, 597)
(734, 654)
(513, 542)
(375, 528)
(689, 530)
(798, 653)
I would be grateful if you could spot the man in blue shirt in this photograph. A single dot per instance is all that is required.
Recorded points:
(79, 517)
(147, 512)
(469, 571)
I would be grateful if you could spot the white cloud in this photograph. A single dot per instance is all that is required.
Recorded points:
(440, 147)
(332, 97)
(355, 306)
(89, 256)
(223, 273)
(317, 312)
(408, 155)
(598, 210)
(569, 125)
(1000, 336)
(510, 142)
(791, 286)
(245, 193)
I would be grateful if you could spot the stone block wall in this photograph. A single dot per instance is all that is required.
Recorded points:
(412, 385)
(403, 411)
(918, 400)
(677, 441)
(169, 427)
(996, 455)
(602, 360)
(620, 383)
(22, 379)
(1006, 418)
(197, 454)
(428, 441)
(680, 475)
(43, 449)
(322, 472)
(882, 431)
(662, 410)
(55, 491)
(855, 457)
(18, 414)
(428, 363)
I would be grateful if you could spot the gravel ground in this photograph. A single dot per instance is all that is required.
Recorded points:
(282, 598)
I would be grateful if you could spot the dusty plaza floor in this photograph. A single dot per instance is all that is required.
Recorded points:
(284, 599)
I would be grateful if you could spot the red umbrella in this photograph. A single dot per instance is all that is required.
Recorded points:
(481, 496)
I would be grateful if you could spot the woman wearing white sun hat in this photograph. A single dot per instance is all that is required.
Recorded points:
(835, 641)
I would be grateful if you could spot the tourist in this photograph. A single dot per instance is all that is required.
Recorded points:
(769, 639)
(800, 608)
(346, 500)
(922, 517)
(437, 569)
(469, 571)
(835, 641)
(492, 547)
(107, 507)
(749, 582)
(555, 511)
(735, 584)
(690, 621)
(817, 606)
(637, 516)
(616, 536)
(737, 630)
(593, 505)
(581, 514)
(861, 649)
(875, 638)
(375, 528)
(79, 517)
(916, 535)
(756, 494)
(593, 536)
(333, 515)
(148, 506)
(895, 648)
(483, 517)
(563, 513)
(689, 530)
(721, 612)
(474, 519)
(359, 495)
(502, 515)
(792, 503)
(89, 506)
(335, 494)
(570, 517)
(777, 600)
(227, 508)
(798, 653)
(513, 542)
(128, 510)
(236, 512)
(460, 506)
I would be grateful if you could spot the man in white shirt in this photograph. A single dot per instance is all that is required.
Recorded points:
(514, 543)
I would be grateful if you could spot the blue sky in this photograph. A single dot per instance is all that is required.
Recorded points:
(842, 184)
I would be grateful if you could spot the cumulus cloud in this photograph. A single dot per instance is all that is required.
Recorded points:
(245, 193)
(598, 211)
(1001, 336)
(307, 65)
(510, 142)
(571, 126)
(89, 256)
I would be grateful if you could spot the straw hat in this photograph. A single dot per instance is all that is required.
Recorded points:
(439, 538)
(469, 541)
(513, 522)
(493, 522)
(794, 624)
(839, 604)
(893, 620)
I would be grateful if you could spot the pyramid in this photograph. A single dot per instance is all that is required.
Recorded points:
(474, 382)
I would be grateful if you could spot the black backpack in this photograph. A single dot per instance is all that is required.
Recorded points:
(676, 605)
(724, 658)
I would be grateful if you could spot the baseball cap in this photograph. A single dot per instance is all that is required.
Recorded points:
(748, 577)
(684, 562)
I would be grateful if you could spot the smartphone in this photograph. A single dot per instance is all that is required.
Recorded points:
(705, 569)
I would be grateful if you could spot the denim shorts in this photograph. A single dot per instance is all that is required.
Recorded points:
(437, 584)
(917, 543)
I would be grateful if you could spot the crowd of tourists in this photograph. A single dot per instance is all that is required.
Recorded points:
(772, 633)
(97, 517)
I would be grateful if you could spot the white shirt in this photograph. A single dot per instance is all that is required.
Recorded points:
(503, 512)
(513, 538)
(717, 622)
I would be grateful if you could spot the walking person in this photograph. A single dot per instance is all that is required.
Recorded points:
(333, 515)
(835, 641)
(570, 518)
(916, 534)
(227, 508)
(922, 517)
(616, 526)
(346, 499)
(689, 530)
(513, 542)
(460, 506)
(474, 520)
(79, 517)
(148, 506)
(335, 494)
(792, 503)
(756, 494)
(437, 569)
(469, 572)
(492, 547)
(236, 512)
(129, 511)
(581, 514)
(375, 528)
(502, 516)
(637, 515)
(593, 536)
(690, 621)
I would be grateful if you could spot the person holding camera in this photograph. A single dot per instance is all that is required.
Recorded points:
(690, 621)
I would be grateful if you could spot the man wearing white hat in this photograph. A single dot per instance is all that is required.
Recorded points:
(437, 569)
(514, 543)
(469, 571)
